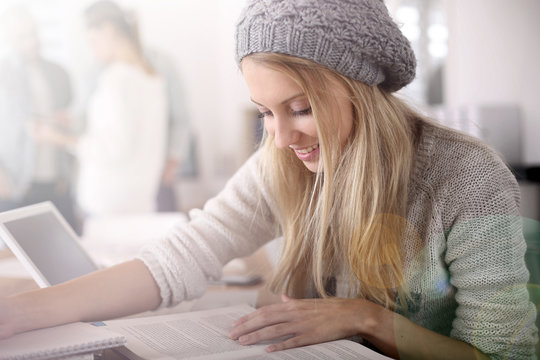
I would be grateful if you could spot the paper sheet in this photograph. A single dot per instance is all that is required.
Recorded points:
(203, 335)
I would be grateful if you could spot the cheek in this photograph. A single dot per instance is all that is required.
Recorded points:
(312, 129)
(269, 126)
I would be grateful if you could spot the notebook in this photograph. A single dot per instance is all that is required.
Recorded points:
(59, 342)
(45, 244)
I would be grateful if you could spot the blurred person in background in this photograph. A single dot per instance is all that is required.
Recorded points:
(178, 127)
(178, 140)
(122, 148)
(33, 90)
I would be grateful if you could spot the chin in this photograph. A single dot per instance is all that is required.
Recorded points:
(312, 166)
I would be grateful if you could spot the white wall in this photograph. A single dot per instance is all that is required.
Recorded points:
(494, 52)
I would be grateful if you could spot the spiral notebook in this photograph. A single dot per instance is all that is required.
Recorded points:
(59, 342)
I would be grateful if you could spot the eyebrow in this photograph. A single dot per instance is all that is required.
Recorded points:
(284, 101)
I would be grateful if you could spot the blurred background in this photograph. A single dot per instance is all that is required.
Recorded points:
(477, 71)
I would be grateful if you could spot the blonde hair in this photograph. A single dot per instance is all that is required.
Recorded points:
(352, 211)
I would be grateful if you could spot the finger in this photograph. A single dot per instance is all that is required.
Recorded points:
(265, 319)
(268, 333)
(274, 308)
(290, 343)
(285, 298)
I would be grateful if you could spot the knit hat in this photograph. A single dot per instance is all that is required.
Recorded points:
(356, 38)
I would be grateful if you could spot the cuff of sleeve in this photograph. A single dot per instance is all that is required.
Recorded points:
(157, 273)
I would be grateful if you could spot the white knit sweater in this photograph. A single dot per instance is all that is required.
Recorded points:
(464, 254)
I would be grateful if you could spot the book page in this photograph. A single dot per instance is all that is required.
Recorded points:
(203, 335)
(182, 335)
(339, 349)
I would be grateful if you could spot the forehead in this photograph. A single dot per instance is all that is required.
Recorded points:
(266, 84)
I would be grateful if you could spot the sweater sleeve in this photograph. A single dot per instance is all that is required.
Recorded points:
(235, 223)
(485, 257)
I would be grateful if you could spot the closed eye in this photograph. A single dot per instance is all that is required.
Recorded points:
(302, 112)
(264, 114)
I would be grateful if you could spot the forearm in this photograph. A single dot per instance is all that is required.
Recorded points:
(400, 338)
(121, 290)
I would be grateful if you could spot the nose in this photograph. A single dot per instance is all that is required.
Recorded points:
(283, 131)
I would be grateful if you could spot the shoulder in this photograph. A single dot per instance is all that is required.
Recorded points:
(462, 171)
(449, 154)
(130, 78)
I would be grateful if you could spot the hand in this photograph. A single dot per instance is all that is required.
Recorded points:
(62, 119)
(49, 134)
(43, 132)
(170, 172)
(305, 322)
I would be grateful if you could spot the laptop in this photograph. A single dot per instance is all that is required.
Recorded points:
(40, 237)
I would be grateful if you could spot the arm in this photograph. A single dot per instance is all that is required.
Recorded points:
(49, 134)
(235, 223)
(484, 250)
(121, 290)
(314, 321)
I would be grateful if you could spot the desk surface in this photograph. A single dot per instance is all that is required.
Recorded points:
(10, 286)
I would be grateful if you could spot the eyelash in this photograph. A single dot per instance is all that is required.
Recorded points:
(302, 112)
(264, 114)
(294, 113)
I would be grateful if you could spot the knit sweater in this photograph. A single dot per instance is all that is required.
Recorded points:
(464, 253)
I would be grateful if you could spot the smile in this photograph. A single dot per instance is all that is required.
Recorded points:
(308, 150)
(310, 153)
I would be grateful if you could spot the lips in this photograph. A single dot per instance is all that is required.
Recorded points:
(309, 153)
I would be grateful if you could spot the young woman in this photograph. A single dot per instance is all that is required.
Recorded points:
(396, 230)
(122, 150)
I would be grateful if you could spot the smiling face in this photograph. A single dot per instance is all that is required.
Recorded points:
(287, 112)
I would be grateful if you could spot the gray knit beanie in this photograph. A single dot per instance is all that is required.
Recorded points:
(356, 38)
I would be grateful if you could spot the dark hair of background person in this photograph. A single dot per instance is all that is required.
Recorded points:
(108, 12)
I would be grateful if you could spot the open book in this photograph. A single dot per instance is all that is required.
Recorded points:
(204, 335)
(59, 342)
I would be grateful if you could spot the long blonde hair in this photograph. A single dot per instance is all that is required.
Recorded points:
(350, 214)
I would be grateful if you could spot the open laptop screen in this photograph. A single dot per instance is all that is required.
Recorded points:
(50, 247)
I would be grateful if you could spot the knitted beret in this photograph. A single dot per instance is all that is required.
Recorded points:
(356, 38)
